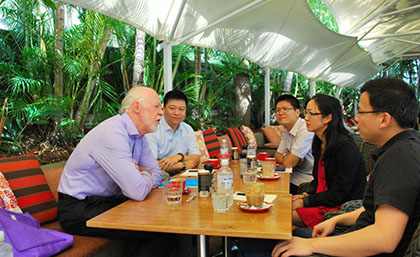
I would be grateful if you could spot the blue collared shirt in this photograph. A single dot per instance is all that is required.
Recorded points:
(165, 142)
(102, 163)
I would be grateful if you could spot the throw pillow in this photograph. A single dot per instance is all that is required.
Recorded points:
(237, 138)
(202, 146)
(272, 135)
(30, 187)
(212, 143)
(6, 193)
(249, 135)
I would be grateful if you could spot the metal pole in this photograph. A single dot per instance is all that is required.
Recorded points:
(167, 68)
(267, 97)
(201, 246)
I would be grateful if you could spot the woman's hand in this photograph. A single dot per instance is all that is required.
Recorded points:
(297, 201)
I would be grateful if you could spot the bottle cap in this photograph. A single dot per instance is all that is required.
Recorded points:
(224, 162)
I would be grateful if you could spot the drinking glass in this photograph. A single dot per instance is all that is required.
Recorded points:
(173, 193)
(250, 176)
(220, 200)
(255, 194)
(268, 167)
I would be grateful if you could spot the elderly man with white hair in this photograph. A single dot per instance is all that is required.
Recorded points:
(112, 163)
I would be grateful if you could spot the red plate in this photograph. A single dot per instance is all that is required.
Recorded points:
(245, 207)
(276, 176)
(186, 191)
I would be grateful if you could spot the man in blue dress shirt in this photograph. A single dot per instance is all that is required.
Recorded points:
(112, 163)
(174, 144)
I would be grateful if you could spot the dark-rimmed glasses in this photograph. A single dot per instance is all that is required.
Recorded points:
(284, 109)
(363, 112)
(306, 113)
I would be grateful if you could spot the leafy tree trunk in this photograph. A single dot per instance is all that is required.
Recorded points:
(288, 83)
(93, 73)
(58, 50)
(124, 65)
(243, 107)
(138, 69)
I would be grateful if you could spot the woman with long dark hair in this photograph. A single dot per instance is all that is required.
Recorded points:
(339, 172)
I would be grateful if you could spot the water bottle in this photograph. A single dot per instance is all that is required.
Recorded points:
(224, 151)
(5, 249)
(225, 179)
(252, 156)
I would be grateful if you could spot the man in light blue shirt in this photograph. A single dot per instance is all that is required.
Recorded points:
(112, 163)
(174, 144)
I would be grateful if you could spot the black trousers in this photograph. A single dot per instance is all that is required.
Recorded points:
(73, 214)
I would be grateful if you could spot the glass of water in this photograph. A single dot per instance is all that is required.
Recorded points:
(250, 176)
(173, 194)
(220, 200)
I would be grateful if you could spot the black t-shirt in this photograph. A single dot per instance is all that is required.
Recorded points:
(395, 180)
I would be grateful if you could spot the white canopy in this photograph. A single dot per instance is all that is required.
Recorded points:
(388, 29)
(276, 34)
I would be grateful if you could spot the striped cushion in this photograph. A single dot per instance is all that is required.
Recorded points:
(212, 143)
(237, 137)
(30, 187)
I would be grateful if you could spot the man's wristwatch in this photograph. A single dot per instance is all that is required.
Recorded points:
(182, 157)
(184, 166)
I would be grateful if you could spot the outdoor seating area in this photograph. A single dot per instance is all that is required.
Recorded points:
(183, 128)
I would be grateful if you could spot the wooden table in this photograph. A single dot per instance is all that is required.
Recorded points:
(198, 217)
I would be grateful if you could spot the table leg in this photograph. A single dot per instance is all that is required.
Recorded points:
(201, 246)
(228, 246)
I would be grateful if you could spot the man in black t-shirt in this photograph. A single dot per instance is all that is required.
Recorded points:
(391, 205)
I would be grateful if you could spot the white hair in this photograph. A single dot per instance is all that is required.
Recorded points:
(133, 95)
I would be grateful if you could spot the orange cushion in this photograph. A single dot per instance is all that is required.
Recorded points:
(30, 187)
(272, 134)
(9, 199)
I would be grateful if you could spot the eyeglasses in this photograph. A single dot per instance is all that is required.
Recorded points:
(362, 112)
(306, 113)
(285, 109)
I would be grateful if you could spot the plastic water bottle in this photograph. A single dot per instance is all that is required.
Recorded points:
(225, 179)
(252, 156)
(5, 249)
(224, 151)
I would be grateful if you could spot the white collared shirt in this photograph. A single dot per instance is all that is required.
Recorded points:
(298, 141)
(165, 142)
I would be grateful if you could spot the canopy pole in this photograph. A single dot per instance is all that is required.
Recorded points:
(167, 68)
(312, 87)
(267, 97)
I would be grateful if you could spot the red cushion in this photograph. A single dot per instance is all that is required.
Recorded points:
(30, 187)
(212, 143)
(237, 137)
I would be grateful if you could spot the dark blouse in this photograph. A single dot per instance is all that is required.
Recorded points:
(344, 173)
